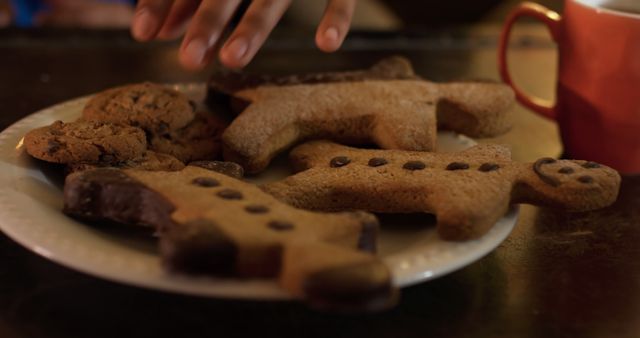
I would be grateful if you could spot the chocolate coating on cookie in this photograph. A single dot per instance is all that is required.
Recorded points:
(106, 193)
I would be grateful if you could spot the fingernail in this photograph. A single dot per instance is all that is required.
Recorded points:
(196, 51)
(331, 34)
(237, 48)
(142, 25)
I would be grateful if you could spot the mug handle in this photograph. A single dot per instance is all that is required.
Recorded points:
(552, 20)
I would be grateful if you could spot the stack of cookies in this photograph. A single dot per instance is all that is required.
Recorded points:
(142, 155)
(145, 126)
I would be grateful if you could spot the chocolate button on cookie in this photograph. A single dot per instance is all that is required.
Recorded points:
(414, 165)
(339, 161)
(150, 106)
(86, 142)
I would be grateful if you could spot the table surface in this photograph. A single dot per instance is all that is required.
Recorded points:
(557, 275)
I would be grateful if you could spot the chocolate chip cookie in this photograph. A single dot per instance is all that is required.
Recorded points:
(86, 142)
(152, 107)
(199, 140)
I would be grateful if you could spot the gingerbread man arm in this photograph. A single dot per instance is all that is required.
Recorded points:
(568, 184)
(476, 109)
(270, 134)
(333, 278)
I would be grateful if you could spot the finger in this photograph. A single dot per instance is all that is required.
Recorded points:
(179, 15)
(204, 31)
(252, 31)
(334, 26)
(149, 17)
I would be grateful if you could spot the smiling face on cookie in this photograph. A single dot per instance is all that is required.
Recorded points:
(566, 182)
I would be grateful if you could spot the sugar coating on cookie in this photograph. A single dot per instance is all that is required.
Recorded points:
(85, 142)
(468, 191)
(198, 141)
(212, 223)
(150, 106)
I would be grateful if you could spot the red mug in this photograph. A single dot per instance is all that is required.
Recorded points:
(598, 90)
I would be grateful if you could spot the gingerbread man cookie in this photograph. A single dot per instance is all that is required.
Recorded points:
(467, 191)
(224, 83)
(211, 223)
(85, 142)
(393, 109)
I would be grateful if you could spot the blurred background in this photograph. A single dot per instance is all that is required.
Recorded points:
(371, 14)
(54, 50)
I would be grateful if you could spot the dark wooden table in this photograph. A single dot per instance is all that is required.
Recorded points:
(557, 275)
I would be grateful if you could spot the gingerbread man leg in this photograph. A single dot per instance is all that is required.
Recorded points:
(331, 278)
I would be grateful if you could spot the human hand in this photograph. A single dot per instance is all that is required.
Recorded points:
(205, 21)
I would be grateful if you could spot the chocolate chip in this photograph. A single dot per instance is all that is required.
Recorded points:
(591, 165)
(377, 162)
(162, 128)
(230, 194)
(205, 182)
(414, 165)
(256, 209)
(53, 146)
(107, 158)
(585, 179)
(566, 170)
(546, 160)
(487, 167)
(339, 161)
(280, 225)
(457, 166)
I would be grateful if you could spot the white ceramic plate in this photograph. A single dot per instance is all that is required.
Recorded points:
(31, 200)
